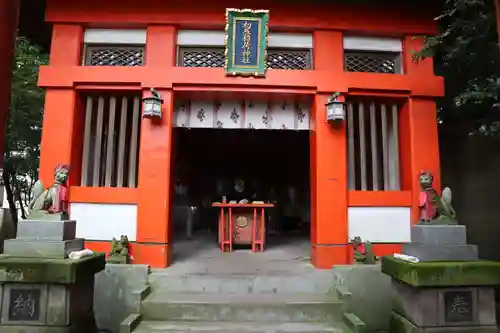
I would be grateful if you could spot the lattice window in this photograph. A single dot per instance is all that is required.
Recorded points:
(372, 62)
(201, 57)
(107, 55)
(215, 58)
(289, 59)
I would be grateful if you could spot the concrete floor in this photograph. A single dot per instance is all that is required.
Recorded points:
(283, 255)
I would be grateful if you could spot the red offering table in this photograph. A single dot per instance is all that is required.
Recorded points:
(242, 224)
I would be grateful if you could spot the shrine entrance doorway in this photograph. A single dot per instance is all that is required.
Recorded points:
(219, 148)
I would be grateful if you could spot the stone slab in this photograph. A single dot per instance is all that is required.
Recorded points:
(442, 252)
(167, 306)
(46, 230)
(42, 249)
(370, 298)
(43, 270)
(399, 324)
(443, 274)
(118, 292)
(439, 234)
(238, 327)
(442, 307)
(129, 324)
(39, 329)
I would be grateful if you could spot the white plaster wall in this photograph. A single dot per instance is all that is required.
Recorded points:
(115, 36)
(104, 221)
(380, 224)
(216, 38)
(373, 44)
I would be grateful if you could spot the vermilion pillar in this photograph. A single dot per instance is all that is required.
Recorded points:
(419, 135)
(153, 219)
(9, 13)
(328, 162)
(60, 130)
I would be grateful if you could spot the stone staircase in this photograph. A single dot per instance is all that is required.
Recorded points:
(240, 303)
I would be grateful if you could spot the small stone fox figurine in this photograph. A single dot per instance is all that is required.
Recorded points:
(119, 251)
(363, 252)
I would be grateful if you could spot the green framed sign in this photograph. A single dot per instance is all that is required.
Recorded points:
(246, 41)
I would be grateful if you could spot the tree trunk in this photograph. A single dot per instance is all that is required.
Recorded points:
(10, 198)
(21, 203)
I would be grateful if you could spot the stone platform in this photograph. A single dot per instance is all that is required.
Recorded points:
(442, 297)
(443, 274)
(440, 243)
(40, 289)
(44, 239)
(37, 293)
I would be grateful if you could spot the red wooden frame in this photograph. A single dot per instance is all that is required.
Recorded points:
(258, 238)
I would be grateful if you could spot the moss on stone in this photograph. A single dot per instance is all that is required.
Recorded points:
(443, 274)
(39, 270)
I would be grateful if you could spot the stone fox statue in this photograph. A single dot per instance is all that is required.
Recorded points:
(119, 251)
(363, 252)
(51, 203)
(435, 209)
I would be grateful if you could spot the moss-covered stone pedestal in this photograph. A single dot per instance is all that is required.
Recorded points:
(443, 297)
(41, 290)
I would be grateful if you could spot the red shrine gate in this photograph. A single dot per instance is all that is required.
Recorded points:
(106, 55)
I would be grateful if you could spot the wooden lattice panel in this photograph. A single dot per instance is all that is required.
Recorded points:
(215, 58)
(372, 62)
(107, 55)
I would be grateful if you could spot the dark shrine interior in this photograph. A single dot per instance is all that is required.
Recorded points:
(273, 164)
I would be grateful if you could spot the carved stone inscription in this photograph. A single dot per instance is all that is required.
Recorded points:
(24, 305)
(458, 306)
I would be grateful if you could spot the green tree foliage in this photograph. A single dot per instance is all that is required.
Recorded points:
(467, 55)
(22, 147)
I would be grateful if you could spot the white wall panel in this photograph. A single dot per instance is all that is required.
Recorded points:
(380, 224)
(115, 36)
(104, 221)
(373, 44)
(216, 38)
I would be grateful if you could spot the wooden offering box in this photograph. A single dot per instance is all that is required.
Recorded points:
(242, 224)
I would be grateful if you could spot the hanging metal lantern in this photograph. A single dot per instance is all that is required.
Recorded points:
(152, 105)
(335, 109)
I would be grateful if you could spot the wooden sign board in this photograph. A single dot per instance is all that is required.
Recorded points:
(246, 41)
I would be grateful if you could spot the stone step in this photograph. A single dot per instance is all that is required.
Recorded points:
(428, 234)
(238, 327)
(23, 248)
(424, 253)
(243, 284)
(169, 306)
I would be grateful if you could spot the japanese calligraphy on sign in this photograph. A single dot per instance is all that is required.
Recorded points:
(246, 41)
(24, 305)
(458, 306)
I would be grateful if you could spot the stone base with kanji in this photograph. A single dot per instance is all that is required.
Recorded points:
(41, 290)
(443, 297)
